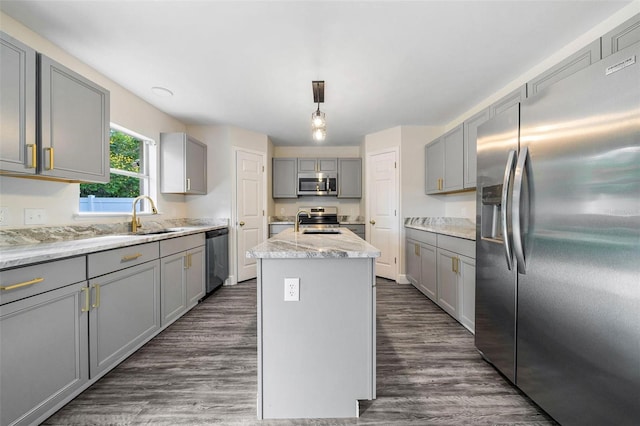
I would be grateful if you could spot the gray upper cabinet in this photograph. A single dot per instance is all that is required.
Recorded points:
(349, 178)
(434, 161)
(509, 100)
(453, 159)
(574, 63)
(74, 119)
(470, 146)
(183, 164)
(622, 36)
(285, 174)
(317, 165)
(17, 106)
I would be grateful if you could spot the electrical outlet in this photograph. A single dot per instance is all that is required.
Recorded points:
(35, 216)
(291, 289)
(4, 216)
(282, 211)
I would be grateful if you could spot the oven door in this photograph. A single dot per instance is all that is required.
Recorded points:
(317, 184)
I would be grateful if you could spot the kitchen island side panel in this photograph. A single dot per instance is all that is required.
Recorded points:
(316, 355)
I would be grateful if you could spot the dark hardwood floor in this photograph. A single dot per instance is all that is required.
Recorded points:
(202, 370)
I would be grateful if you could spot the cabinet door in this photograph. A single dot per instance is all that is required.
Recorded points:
(17, 106)
(467, 289)
(44, 352)
(453, 159)
(306, 165)
(434, 161)
(412, 253)
(470, 147)
(195, 276)
(429, 272)
(447, 282)
(74, 118)
(277, 228)
(173, 294)
(349, 178)
(125, 313)
(509, 100)
(574, 63)
(195, 167)
(285, 177)
(622, 36)
(327, 164)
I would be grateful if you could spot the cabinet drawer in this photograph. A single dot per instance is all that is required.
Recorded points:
(425, 237)
(355, 228)
(53, 274)
(113, 260)
(458, 245)
(176, 245)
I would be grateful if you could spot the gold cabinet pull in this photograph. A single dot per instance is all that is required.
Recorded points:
(85, 308)
(188, 184)
(416, 249)
(189, 257)
(185, 262)
(131, 257)
(23, 284)
(97, 304)
(50, 149)
(455, 265)
(34, 155)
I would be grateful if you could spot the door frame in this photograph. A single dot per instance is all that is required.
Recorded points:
(369, 187)
(233, 221)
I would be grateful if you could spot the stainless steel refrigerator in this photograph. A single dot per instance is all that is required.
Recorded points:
(558, 244)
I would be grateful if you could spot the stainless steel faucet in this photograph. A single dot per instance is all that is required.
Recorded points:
(296, 226)
(135, 221)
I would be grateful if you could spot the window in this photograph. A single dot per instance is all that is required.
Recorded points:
(131, 158)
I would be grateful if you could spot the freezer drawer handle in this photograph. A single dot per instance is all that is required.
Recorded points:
(511, 160)
(518, 245)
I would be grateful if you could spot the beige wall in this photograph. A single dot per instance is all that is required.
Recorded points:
(127, 110)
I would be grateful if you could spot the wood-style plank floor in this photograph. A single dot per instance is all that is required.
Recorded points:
(202, 370)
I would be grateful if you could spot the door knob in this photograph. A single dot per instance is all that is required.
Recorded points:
(241, 223)
(373, 222)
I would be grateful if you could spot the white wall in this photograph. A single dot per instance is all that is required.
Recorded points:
(61, 199)
(289, 207)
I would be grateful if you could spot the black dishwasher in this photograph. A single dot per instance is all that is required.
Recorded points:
(217, 258)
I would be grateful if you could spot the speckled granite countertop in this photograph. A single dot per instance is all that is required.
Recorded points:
(25, 246)
(289, 245)
(343, 220)
(453, 226)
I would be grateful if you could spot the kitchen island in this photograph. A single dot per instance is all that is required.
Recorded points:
(316, 353)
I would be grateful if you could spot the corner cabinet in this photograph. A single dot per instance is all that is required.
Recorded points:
(349, 178)
(183, 164)
(17, 106)
(284, 177)
(63, 133)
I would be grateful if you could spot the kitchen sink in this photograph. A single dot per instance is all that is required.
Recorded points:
(322, 231)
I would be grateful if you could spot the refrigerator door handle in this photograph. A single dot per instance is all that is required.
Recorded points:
(518, 245)
(511, 160)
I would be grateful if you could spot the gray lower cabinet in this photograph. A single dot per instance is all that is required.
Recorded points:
(125, 314)
(284, 178)
(43, 339)
(182, 273)
(276, 228)
(622, 36)
(17, 106)
(356, 228)
(443, 268)
(349, 178)
(74, 125)
(574, 63)
(183, 164)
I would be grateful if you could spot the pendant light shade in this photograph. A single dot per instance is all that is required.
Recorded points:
(318, 119)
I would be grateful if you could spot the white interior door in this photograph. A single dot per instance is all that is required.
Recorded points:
(249, 209)
(383, 210)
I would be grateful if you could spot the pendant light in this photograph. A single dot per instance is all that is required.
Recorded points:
(318, 119)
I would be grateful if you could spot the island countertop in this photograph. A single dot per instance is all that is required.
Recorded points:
(290, 244)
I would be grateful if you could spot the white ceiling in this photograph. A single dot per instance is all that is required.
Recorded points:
(250, 64)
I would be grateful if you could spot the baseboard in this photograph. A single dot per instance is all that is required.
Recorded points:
(402, 279)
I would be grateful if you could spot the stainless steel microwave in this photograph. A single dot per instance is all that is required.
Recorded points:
(317, 184)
